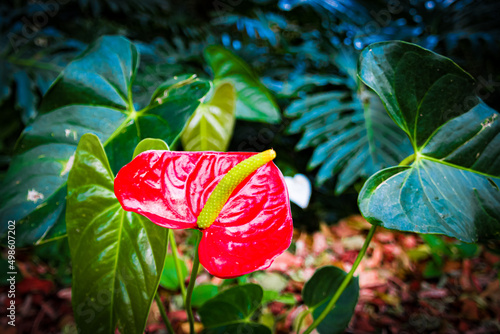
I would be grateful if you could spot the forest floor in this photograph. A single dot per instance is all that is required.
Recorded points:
(407, 285)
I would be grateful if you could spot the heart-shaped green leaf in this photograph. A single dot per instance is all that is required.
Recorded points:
(231, 311)
(254, 101)
(117, 256)
(211, 126)
(452, 187)
(169, 279)
(320, 289)
(93, 94)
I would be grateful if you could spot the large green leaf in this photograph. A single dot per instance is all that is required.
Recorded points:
(254, 101)
(351, 133)
(211, 126)
(117, 256)
(231, 310)
(320, 289)
(92, 95)
(452, 187)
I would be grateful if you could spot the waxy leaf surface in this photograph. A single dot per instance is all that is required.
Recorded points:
(211, 126)
(320, 289)
(171, 189)
(92, 95)
(230, 311)
(117, 256)
(452, 187)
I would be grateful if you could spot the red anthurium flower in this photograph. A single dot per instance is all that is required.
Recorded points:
(247, 222)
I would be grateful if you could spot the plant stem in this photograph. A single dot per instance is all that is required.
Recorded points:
(163, 313)
(408, 160)
(177, 265)
(344, 283)
(192, 279)
(302, 316)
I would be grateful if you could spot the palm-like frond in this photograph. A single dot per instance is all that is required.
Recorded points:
(346, 9)
(30, 59)
(96, 7)
(263, 26)
(451, 23)
(28, 65)
(352, 134)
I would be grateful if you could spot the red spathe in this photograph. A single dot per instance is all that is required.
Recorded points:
(171, 188)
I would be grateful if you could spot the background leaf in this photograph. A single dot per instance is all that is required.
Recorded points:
(28, 71)
(452, 187)
(211, 126)
(320, 289)
(230, 311)
(350, 131)
(202, 293)
(254, 101)
(93, 94)
(150, 144)
(169, 279)
(117, 256)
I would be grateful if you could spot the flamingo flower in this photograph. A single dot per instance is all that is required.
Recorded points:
(238, 200)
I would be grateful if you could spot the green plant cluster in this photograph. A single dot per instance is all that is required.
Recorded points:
(411, 131)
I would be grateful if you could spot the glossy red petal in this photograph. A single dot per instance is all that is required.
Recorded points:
(171, 188)
(253, 228)
(153, 185)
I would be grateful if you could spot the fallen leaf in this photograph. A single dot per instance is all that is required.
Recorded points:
(32, 284)
(433, 293)
(285, 261)
(319, 243)
(469, 310)
(370, 279)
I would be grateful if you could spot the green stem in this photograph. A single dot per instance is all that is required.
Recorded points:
(302, 316)
(408, 160)
(177, 264)
(163, 313)
(344, 283)
(192, 279)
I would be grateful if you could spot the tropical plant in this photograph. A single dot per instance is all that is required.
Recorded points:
(451, 186)
(211, 126)
(37, 176)
(97, 167)
(238, 200)
(106, 108)
(349, 130)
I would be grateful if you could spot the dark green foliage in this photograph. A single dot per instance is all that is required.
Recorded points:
(320, 289)
(298, 48)
(93, 94)
(349, 129)
(320, 117)
(114, 279)
(231, 311)
(452, 187)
